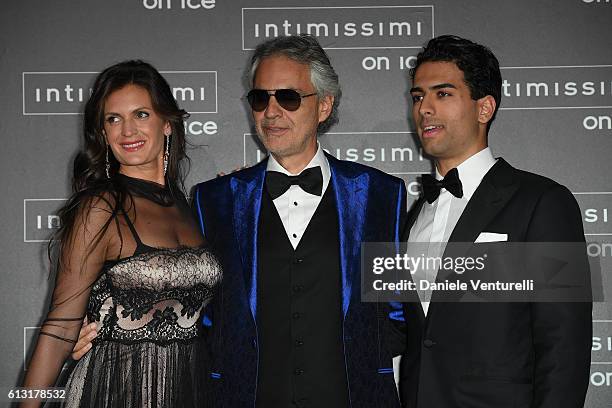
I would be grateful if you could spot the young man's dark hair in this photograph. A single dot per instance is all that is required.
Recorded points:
(480, 67)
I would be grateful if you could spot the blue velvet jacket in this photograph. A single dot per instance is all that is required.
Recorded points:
(371, 207)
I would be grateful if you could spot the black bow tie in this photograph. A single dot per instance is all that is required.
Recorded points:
(451, 182)
(310, 180)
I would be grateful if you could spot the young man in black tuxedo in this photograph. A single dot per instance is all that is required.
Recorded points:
(530, 354)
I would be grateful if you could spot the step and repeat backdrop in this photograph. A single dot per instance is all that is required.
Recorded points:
(555, 118)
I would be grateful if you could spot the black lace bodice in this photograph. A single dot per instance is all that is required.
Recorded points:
(155, 296)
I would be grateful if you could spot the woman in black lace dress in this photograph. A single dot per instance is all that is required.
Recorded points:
(130, 256)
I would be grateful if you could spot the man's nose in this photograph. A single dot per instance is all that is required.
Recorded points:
(273, 109)
(426, 107)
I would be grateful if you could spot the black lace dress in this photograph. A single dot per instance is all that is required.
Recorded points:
(148, 351)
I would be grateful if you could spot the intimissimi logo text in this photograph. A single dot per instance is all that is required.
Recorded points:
(342, 27)
(65, 93)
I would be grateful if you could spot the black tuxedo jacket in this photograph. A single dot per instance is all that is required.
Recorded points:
(502, 354)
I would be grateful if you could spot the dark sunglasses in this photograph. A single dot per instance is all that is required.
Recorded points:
(288, 99)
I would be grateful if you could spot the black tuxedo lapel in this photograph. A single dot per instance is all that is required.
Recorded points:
(495, 190)
(491, 196)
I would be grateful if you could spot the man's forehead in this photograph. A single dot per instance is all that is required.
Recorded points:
(434, 73)
(282, 72)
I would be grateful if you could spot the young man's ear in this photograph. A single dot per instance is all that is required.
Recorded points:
(486, 106)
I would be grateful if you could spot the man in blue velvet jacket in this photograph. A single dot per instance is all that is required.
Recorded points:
(288, 328)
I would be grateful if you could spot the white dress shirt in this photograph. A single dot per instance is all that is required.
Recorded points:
(296, 207)
(436, 221)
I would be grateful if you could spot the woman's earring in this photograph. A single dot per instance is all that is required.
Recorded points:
(167, 154)
(107, 165)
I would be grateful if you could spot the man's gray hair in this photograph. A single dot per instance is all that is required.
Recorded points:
(304, 49)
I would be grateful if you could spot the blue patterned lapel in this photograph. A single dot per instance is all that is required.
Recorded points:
(351, 193)
(247, 187)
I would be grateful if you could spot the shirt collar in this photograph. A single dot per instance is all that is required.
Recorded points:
(472, 171)
(319, 159)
